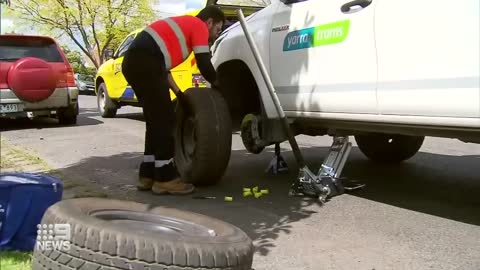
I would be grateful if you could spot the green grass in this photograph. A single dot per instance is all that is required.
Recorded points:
(18, 159)
(15, 260)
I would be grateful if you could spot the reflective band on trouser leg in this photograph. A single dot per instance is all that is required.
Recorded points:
(148, 158)
(180, 36)
(161, 163)
(201, 49)
(161, 44)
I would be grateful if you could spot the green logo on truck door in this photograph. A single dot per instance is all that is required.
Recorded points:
(320, 35)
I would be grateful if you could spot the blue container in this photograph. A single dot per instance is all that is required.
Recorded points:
(24, 198)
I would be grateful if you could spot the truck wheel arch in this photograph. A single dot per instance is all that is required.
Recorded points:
(239, 88)
(98, 81)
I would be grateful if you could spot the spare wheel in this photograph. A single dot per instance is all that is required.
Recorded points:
(31, 79)
(113, 234)
(203, 139)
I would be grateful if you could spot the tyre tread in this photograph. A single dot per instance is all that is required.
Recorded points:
(99, 261)
(214, 148)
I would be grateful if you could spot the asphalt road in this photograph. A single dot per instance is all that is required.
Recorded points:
(422, 214)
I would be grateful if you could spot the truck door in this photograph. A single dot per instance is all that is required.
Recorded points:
(428, 58)
(323, 56)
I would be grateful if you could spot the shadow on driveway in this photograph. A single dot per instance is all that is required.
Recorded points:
(132, 116)
(439, 185)
(89, 112)
(444, 186)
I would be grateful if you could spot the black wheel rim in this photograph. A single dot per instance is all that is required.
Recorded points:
(140, 221)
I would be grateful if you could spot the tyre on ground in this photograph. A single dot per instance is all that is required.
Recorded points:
(113, 234)
(106, 106)
(389, 148)
(203, 137)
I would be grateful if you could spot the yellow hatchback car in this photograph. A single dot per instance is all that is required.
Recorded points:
(112, 89)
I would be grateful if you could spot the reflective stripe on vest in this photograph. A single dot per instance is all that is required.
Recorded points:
(180, 36)
(177, 42)
(201, 49)
(161, 45)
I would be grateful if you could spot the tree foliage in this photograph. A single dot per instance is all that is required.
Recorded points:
(6, 2)
(93, 25)
(76, 60)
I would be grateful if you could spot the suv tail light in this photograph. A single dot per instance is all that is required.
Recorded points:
(70, 77)
(69, 80)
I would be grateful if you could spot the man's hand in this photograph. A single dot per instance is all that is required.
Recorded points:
(182, 101)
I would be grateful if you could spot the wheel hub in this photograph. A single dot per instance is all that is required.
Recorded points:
(250, 133)
(102, 101)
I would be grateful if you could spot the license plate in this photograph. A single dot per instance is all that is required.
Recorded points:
(9, 108)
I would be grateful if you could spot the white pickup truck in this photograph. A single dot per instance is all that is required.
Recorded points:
(388, 72)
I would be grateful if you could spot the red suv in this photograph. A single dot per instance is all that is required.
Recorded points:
(36, 79)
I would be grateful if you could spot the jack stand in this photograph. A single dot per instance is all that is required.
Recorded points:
(278, 164)
(327, 183)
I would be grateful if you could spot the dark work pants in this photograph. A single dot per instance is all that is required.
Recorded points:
(144, 69)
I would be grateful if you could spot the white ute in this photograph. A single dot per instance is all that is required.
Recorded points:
(387, 72)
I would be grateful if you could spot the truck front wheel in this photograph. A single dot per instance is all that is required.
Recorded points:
(389, 148)
(106, 105)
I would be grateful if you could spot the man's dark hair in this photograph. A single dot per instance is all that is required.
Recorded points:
(213, 12)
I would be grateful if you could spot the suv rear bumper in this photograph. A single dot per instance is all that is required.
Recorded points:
(61, 98)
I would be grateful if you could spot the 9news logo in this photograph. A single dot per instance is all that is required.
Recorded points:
(53, 237)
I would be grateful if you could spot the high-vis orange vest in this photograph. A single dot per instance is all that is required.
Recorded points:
(178, 36)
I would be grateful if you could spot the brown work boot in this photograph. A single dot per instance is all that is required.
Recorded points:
(144, 183)
(174, 187)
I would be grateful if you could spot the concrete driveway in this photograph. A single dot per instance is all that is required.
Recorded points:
(422, 214)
